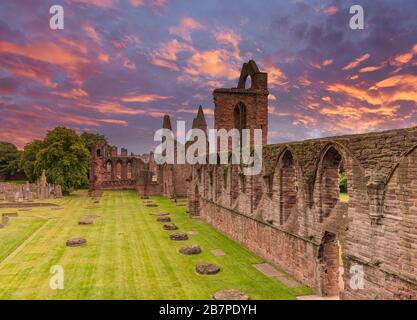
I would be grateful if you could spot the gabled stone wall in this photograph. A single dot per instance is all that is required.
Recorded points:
(297, 229)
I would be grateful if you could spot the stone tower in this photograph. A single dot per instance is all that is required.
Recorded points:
(166, 124)
(241, 107)
(199, 122)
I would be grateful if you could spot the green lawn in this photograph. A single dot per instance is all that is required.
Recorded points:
(128, 255)
(344, 197)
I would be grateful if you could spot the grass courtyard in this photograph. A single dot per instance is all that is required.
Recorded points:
(128, 254)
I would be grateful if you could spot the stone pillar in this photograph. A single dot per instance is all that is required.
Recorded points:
(43, 187)
(4, 220)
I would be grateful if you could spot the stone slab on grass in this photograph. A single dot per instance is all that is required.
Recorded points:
(10, 214)
(316, 297)
(268, 270)
(207, 268)
(76, 242)
(288, 281)
(159, 214)
(230, 294)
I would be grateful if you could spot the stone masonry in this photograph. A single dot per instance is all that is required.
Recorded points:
(291, 214)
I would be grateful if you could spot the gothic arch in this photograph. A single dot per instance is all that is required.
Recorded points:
(118, 170)
(288, 187)
(402, 157)
(129, 170)
(109, 170)
(249, 69)
(239, 117)
(326, 187)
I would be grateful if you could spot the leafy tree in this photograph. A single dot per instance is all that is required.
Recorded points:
(343, 183)
(90, 139)
(65, 159)
(29, 159)
(9, 159)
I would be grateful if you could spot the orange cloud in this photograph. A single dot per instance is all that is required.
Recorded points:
(405, 57)
(356, 62)
(169, 50)
(327, 62)
(31, 72)
(276, 77)
(98, 3)
(359, 112)
(103, 57)
(371, 68)
(399, 80)
(164, 64)
(73, 94)
(272, 97)
(383, 93)
(144, 98)
(47, 52)
(187, 25)
(213, 63)
(136, 3)
(89, 29)
(355, 93)
(331, 10)
(228, 37)
(129, 64)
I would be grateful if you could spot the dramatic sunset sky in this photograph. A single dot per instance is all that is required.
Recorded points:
(120, 65)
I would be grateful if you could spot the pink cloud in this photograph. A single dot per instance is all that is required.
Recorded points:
(187, 25)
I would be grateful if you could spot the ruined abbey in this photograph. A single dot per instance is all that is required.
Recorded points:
(291, 213)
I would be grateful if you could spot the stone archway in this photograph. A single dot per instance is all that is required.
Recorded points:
(328, 192)
(118, 170)
(287, 187)
(194, 203)
(330, 267)
(109, 170)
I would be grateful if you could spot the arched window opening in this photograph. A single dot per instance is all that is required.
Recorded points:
(343, 184)
(329, 180)
(234, 183)
(331, 266)
(242, 182)
(108, 170)
(248, 82)
(119, 171)
(195, 203)
(98, 153)
(257, 190)
(288, 192)
(239, 116)
(129, 171)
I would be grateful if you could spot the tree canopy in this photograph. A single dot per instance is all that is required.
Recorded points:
(28, 162)
(89, 139)
(65, 159)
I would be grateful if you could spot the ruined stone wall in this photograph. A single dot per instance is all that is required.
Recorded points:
(18, 192)
(110, 170)
(291, 214)
(172, 179)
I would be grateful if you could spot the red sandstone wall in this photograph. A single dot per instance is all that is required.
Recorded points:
(377, 229)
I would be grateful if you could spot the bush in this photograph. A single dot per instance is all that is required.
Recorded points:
(343, 183)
